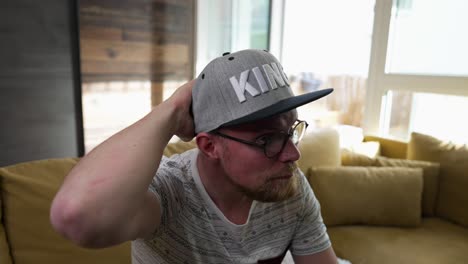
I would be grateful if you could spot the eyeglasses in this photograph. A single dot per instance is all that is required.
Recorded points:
(273, 143)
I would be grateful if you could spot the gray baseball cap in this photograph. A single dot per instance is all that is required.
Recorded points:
(242, 87)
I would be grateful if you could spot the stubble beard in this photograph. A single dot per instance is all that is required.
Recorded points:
(274, 189)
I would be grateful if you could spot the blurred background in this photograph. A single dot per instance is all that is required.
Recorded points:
(76, 72)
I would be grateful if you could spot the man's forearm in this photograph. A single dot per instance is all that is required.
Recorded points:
(105, 188)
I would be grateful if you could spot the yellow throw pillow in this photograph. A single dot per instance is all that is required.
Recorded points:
(351, 158)
(370, 149)
(368, 195)
(27, 191)
(430, 179)
(4, 248)
(389, 147)
(428, 148)
(320, 147)
(430, 174)
(452, 203)
(452, 199)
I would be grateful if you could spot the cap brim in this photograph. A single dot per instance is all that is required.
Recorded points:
(281, 107)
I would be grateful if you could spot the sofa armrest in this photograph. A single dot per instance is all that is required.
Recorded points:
(390, 148)
(27, 191)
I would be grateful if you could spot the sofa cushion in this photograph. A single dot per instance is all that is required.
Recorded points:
(178, 147)
(430, 179)
(320, 147)
(4, 248)
(389, 147)
(370, 149)
(368, 195)
(430, 174)
(429, 148)
(435, 241)
(452, 203)
(351, 158)
(453, 178)
(351, 139)
(27, 191)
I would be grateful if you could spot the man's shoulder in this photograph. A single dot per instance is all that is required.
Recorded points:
(175, 175)
(178, 166)
(179, 160)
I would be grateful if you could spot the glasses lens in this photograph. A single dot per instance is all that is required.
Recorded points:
(276, 141)
(298, 132)
(275, 144)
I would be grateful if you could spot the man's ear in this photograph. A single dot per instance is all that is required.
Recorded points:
(208, 145)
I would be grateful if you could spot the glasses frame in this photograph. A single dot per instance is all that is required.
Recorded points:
(263, 146)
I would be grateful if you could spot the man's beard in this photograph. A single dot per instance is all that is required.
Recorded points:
(275, 190)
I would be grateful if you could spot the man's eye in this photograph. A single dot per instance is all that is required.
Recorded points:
(263, 140)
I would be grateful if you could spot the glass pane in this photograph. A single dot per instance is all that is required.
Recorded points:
(250, 24)
(441, 116)
(260, 24)
(109, 107)
(428, 37)
(320, 51)
(230, 25)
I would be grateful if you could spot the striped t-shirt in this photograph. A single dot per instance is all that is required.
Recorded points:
(194, 230)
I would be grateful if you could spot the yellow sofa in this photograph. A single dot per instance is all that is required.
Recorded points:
(391, 208)
(391, 226)
(425, 221)
(26, 235)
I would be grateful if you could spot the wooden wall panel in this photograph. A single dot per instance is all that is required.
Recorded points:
(137, 40)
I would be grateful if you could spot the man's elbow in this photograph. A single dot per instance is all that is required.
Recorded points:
(69, 220)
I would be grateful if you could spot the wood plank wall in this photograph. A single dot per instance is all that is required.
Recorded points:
(123, 40)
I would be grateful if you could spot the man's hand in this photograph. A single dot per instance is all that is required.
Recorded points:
(182, 101)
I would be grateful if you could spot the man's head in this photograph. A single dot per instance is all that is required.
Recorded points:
(266, 175)
(245, 158)
(242, 87)
(239, 102)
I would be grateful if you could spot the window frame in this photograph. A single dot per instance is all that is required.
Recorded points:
(377, 105)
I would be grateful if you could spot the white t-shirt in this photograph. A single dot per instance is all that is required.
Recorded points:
(194, 230)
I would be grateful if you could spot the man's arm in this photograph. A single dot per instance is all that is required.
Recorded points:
(326, 257)
(105, 200)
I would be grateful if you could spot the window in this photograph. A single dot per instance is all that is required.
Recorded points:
(428, 37)
(418, 70)
(230, 25)
(326, 45)
(109, 107)
(427, 113)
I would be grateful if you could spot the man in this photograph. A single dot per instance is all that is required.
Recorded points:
(237, 198)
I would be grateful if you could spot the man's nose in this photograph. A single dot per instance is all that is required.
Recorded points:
(289, 153)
